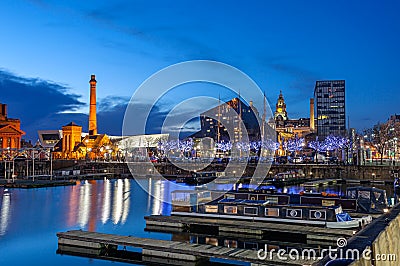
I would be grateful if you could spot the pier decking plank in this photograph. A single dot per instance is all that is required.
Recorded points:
(166, 247)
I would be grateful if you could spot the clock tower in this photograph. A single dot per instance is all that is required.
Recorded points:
(280, 111)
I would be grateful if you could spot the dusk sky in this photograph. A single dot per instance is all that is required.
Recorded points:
(49, 49)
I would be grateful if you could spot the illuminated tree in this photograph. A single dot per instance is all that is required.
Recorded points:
(318, 146)
(295, 144)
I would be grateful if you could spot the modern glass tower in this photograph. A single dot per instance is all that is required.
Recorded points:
(330, 108)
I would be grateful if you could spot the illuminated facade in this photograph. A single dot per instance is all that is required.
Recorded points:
(280, 112)
(331, 112)
(92, 107)
(230, 114)
(73, 144)
(290, 128)
(72, 134)
(10, 130)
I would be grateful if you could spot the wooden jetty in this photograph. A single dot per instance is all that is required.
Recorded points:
(307, 234)
(18, 183)
(167, 252)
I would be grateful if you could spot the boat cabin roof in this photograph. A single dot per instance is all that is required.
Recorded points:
(267, 203)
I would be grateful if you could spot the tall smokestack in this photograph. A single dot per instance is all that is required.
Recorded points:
(92, 108)
(312, 115)
(3, 110)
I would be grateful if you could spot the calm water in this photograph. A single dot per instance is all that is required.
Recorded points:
(30, 219)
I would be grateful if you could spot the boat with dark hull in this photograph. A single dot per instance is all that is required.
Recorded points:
(292, 177)
(261, 207)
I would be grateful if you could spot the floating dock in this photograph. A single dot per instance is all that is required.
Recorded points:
(35, 184)
(311, 235)
(101, 245)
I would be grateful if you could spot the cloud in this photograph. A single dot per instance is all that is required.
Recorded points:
(42, 105)
(34, 99)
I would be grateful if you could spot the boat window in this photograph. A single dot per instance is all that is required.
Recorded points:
(272, 212)
(230, 209)
(231, 243)
(328, 203)
(212, 241)
(317, 214)
(294, 213)
(272, 200)
(250, 210)
(211, 209)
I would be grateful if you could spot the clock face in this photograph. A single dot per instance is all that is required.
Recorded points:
(279, 110)
(92, 125)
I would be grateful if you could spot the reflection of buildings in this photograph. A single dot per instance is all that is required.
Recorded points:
(105, 212)
(90, 203)
(121, 201)
(5, 213)
(10, 130)
(331, 115)
(159, 194)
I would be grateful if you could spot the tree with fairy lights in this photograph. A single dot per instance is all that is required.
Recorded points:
(295, 144)
(332, 143)
(318, 146)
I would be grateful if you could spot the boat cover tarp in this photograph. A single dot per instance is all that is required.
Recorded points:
(343, 217)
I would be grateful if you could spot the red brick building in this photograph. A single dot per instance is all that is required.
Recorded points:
(10, 130)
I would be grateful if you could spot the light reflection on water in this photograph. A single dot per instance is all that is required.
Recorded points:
(5, 213)
(30, 219)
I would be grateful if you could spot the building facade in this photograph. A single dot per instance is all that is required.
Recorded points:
(231, 114)
(10, 130)
(330, 98)
(287, 128)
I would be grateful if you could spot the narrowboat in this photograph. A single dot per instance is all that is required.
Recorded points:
(292, 177)
(199, 178)
(266, 208)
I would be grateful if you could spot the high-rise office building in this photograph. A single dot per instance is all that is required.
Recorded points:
(330, 108)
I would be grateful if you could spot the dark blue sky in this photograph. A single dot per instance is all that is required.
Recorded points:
(50, 48)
